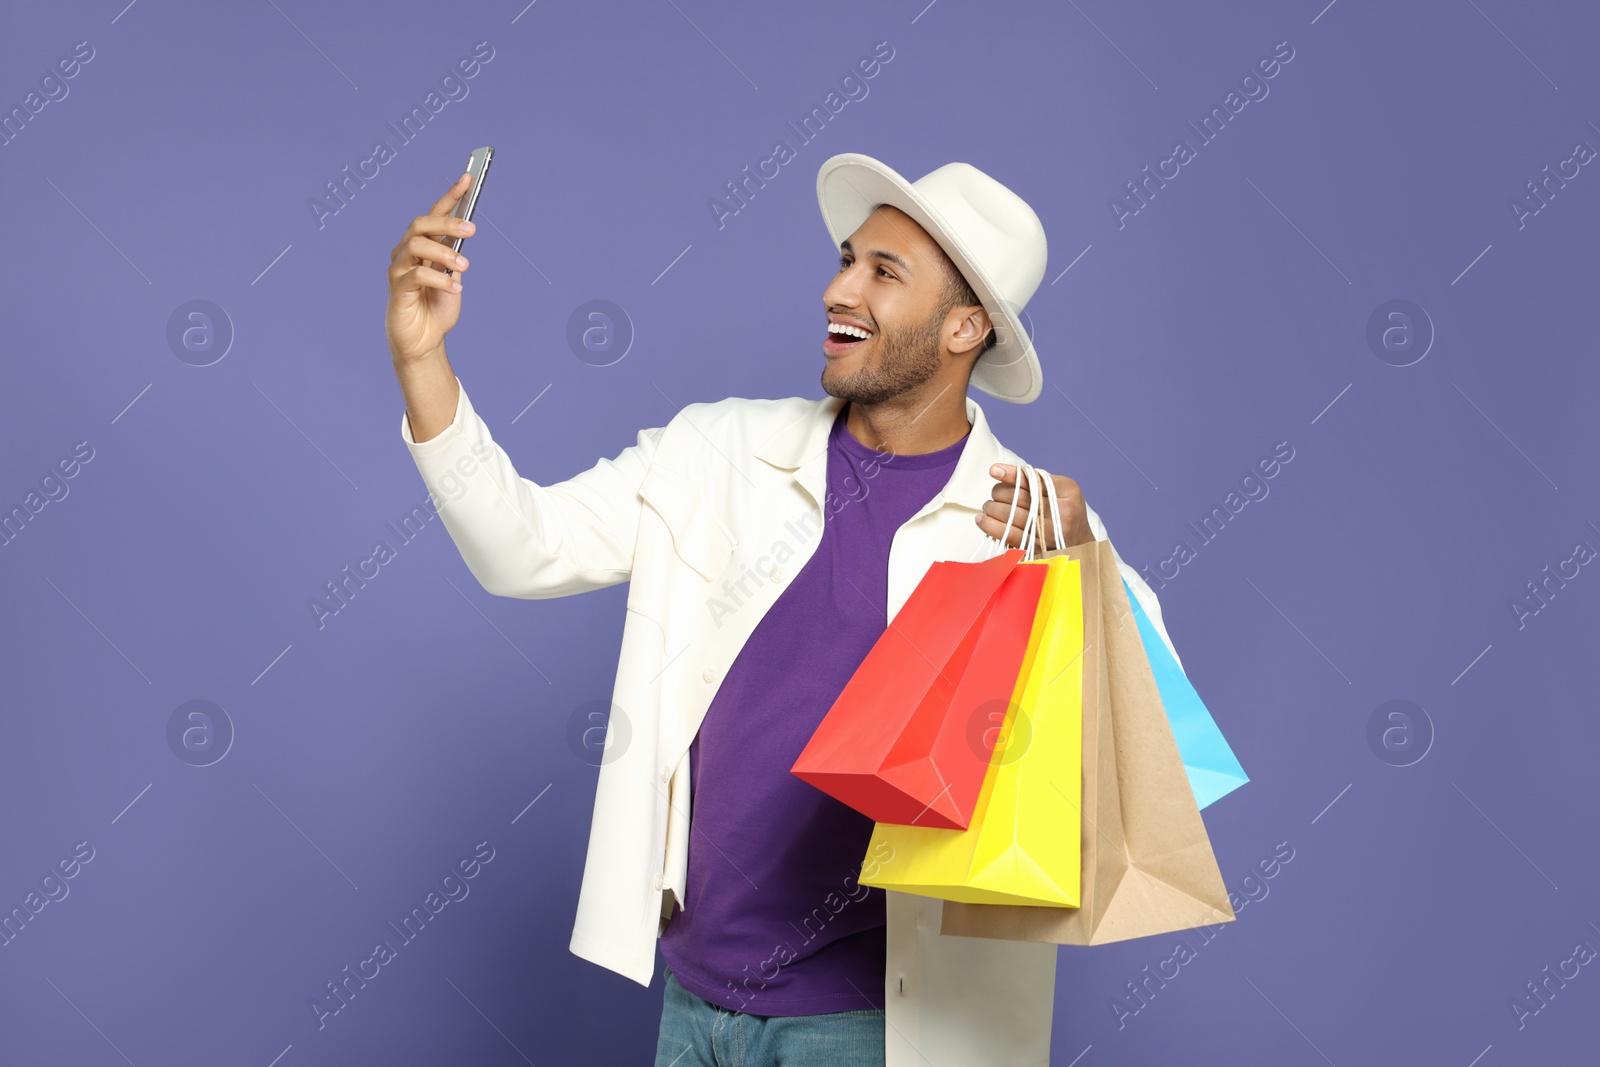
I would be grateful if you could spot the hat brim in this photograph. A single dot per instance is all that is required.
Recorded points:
(850, 186)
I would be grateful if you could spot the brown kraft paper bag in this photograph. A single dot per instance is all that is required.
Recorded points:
(1148, 867)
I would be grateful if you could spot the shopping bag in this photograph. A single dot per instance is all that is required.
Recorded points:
(1146, 859)
(1022, 845)
(905, 740)
(1213, 769)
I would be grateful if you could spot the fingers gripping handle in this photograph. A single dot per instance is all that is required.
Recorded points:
(1011, 516)
(1035, 505)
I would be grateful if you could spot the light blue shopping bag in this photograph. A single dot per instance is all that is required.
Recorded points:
(1213, 769)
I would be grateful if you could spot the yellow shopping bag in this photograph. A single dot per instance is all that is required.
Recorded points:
(1022, 845)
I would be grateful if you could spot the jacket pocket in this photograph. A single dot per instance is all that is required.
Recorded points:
(697, 538)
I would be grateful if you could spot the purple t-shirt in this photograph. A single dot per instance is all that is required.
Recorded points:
(776, 922)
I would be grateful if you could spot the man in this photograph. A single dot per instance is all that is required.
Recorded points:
(766, 544)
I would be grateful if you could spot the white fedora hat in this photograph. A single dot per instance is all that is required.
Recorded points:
(990, 234)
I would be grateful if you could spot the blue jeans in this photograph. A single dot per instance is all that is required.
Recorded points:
(698, 1033)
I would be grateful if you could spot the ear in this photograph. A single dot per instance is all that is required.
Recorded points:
(969, 335)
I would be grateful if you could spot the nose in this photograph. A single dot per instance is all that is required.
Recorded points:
(841, 292)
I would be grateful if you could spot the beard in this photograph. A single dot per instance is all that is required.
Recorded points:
(907, 359)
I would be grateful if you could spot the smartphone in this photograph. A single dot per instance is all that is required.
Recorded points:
(478, 168)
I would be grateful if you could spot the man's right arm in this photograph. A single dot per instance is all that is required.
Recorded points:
(518, 538)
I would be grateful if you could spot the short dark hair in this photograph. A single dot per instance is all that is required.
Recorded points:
(958, 293)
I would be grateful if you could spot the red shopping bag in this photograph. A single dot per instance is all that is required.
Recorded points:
(909, 738)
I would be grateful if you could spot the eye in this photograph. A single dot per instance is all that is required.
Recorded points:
(844, 261)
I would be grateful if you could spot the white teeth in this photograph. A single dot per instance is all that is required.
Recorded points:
(852, 331)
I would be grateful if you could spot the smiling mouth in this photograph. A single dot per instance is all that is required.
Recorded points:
(839, 343)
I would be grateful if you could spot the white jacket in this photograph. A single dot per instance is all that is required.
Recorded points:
(708, 518)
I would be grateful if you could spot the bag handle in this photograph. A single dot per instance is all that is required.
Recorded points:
(1031, 527)
(1055, 509)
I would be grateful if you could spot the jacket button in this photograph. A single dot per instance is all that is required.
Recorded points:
(708, 674)
(777, 574)
(666, 772)
(656, 881)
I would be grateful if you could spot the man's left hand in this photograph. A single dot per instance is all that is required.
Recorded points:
(1074, 517)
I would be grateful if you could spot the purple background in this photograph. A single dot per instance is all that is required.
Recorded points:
(1229, 314)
